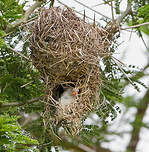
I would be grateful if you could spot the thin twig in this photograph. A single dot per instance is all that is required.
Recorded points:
(86, 16)
(26, 15)
(14, 104)
(29, 21)
(98, 4)
(112, 11)
(77, 11)
(94, 6)
(92, 9)
(26, 84)
(29, 12)
(86, 148)
(20, 54)
(33, 18)
(130, 35)
(135, 26)
(123, 72)
(144, 43)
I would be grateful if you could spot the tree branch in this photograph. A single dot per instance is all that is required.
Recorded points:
(135, 26)
(142, 108)
(14, 104)
(125, 13)
(138, 75)
(112, 11)
(101, 149)
(19, 53)
(26, 16)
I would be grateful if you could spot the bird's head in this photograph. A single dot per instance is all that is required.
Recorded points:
(75, 91)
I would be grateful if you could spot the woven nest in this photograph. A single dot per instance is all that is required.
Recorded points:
(66, 51)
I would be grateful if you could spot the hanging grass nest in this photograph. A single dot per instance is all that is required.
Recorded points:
(66, 50)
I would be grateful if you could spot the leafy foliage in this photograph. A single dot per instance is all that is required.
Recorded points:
(12, 136)
(10, 11)
(14, 75)
(143, 14)
(139, 15)
(92, 134)
(20, 81)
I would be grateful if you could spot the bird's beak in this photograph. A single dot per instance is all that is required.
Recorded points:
(75, 92)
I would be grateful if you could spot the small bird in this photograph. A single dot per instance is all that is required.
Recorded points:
(68, 97)
(65, 103)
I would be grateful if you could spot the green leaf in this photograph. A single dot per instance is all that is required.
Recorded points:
(11, 134)
(2, 33)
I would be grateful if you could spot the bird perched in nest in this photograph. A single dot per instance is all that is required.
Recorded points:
(66, 99)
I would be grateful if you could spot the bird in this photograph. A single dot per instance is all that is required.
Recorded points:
(66, 99)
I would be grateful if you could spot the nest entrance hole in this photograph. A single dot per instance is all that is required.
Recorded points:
(60, 88)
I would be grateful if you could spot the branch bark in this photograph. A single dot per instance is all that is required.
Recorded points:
(26, 16)
(14, 104)
(135, 26)
(125, 13)
(101, 149)
(142, 108)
